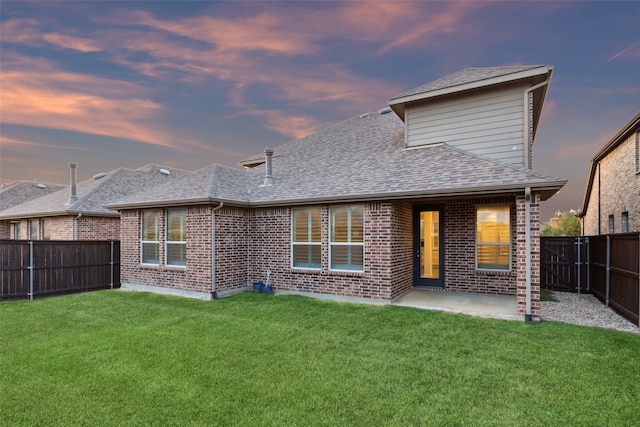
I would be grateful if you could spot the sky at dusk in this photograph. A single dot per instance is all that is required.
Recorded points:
(188, 84)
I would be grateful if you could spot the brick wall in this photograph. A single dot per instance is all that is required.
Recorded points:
(5, 230)
(620, 186)
(460, 249)
(387, 253)
(196, 276)
(97, 228)
(534, 214)
(248, 242)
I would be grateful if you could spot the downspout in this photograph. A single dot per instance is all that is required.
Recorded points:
(75, 226)
(599, 229)
(214, 293)
(527, 251)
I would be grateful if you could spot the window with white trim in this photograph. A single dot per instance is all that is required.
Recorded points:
(176, 237)
(149, 243)
(346, 238)
(17, 231)
(306, 239)
(625, 222)
(493, 238)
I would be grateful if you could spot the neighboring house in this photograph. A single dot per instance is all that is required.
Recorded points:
(611, 202)
(76, 212)
(439, 194)
(16, 193)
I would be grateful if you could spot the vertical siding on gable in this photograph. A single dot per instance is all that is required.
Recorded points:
(489, 123)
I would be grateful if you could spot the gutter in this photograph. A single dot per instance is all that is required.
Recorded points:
(214, 293)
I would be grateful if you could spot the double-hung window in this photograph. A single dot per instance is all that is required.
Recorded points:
(346, 238)
(149, 244)
(176, 238)
(306, 242)
(493, 238)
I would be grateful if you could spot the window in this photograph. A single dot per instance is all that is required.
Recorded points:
(612, 228)
(176, 243)
(493, 238)
(306, 245)
(17, 231)
(46, 229)
(149, 238)
(33, 229)
(625, 222)
(346, 238)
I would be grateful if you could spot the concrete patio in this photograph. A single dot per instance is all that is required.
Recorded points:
(473, 304)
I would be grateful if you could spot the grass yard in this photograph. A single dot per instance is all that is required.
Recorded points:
(118, 358)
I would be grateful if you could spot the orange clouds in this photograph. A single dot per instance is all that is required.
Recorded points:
(36, 93)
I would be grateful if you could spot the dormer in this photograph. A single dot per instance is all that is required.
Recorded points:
(492, 112)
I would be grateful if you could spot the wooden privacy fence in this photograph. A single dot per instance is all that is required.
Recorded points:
(608, 266)
(31, 269)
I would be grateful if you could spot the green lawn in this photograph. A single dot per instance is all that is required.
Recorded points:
(118, 358)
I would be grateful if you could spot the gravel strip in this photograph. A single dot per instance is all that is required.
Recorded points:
(585, 310)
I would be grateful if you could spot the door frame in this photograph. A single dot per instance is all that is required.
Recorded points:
(417, 280)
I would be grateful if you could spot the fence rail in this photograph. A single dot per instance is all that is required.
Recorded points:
(31, 269)
(608, 266)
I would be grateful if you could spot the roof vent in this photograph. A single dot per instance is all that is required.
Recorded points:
(73, 197)
(365, 115)
(41, 186)
(99, 175)
(164, 172)
(268, 178)
(385, 110)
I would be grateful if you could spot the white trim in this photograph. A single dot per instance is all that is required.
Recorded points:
(157, 232)
(349, 243)
(294, 243)
(509, 245)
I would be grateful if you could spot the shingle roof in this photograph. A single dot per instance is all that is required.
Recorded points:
(357, 159)
(19, 192)
(466, 76)
(212, 183)
(93, 194)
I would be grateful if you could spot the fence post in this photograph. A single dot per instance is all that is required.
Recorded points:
(579, 263)
(31, 270)
(588, 265)
(608, 270)
(111, 267)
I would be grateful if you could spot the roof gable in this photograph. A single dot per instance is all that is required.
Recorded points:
(466, 80)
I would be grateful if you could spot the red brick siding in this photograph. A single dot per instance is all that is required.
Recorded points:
(231, 248)
(460, 249)
(248, 242)
(5, 230)
(534, 214)
(196, 276)
(97, 228)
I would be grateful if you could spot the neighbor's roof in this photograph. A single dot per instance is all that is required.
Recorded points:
(18, 192)
(94, 193)
(356, 160)
(470, 79)
(627, 130)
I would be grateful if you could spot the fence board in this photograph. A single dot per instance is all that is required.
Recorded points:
(59, 267)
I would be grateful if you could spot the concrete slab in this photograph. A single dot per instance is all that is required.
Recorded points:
(482, 305)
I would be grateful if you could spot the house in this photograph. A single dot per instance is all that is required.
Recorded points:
(611, 201)
(434, 191)
(76, 212)
(18, 192)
